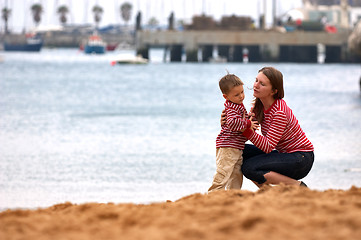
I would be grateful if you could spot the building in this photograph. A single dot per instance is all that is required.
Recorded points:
(339, 13)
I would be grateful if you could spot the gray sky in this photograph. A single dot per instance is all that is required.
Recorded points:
(80, 10)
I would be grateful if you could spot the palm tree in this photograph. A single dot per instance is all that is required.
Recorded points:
(63, 10)
(126, 11)
(37, 10)
(97, 10)
(5, 14)
(153, 22)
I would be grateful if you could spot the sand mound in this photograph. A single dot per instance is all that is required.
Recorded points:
(280, 212)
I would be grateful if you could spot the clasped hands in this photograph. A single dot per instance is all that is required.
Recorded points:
(251, 117)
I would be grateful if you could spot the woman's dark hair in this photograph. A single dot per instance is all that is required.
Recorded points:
(276, 79)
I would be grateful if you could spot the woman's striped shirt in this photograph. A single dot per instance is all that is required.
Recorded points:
(230, 135)
(280, 130)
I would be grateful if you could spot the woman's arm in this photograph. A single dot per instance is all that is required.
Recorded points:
(269, 142)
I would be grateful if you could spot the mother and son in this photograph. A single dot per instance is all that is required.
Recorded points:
(282, 154)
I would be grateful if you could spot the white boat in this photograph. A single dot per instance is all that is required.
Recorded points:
(129, 59)
(218, 59)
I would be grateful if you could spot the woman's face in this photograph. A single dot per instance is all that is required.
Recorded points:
(262, 87)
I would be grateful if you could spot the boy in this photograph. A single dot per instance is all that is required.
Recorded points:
(230, 141)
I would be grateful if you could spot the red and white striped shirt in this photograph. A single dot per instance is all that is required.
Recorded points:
(280, 130)
(230, 135)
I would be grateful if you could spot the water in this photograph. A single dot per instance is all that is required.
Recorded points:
(74, 128)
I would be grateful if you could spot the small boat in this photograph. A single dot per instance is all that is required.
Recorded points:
(129, 59)
(111, 46)
(95, 44)
(124, 46)
(33, 43)
(218, 59)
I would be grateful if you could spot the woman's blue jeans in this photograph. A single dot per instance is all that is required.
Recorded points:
(257, 163)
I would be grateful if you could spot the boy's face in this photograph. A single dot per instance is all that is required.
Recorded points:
(235, 95)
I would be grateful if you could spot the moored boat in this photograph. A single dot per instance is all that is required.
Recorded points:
(129, 59)
(218, 59)
(95, 44)
(33, 43)
(111, 46)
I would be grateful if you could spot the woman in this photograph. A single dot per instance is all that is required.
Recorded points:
(282, 154)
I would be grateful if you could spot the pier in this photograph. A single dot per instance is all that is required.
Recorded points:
(231, 46)
(252, 45)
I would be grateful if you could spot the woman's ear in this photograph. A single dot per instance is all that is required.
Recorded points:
(275, 91)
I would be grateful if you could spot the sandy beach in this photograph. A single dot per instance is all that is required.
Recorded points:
(280, 212)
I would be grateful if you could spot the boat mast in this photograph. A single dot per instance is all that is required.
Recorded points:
(85, 20)
(274, 14)
(25, 15)
(264, 13)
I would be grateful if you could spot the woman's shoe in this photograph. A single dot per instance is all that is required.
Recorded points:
(302, 184)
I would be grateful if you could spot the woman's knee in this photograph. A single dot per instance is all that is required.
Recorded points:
(246, 168)
(305, 165)
(251, 151)
(249, 169)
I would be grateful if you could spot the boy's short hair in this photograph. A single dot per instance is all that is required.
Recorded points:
(228, 82)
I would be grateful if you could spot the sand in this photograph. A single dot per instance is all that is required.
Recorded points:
(280, 212)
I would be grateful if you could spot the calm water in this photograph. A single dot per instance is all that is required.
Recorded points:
(74, 128)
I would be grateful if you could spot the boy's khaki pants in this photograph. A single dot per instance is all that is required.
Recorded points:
(228, 175)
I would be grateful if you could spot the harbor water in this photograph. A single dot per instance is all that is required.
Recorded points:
(75, 128)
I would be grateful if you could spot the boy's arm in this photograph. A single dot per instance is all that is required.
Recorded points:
(236, 122)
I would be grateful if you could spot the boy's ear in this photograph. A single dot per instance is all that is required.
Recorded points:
(225, 96)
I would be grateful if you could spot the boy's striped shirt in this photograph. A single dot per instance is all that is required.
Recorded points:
(230, 135)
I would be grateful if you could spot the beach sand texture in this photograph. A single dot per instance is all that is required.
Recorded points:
(280, 212)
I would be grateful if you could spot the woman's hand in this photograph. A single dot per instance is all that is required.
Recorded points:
(251, 113)
(252, 118)
(254, 123)
(223, 117)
